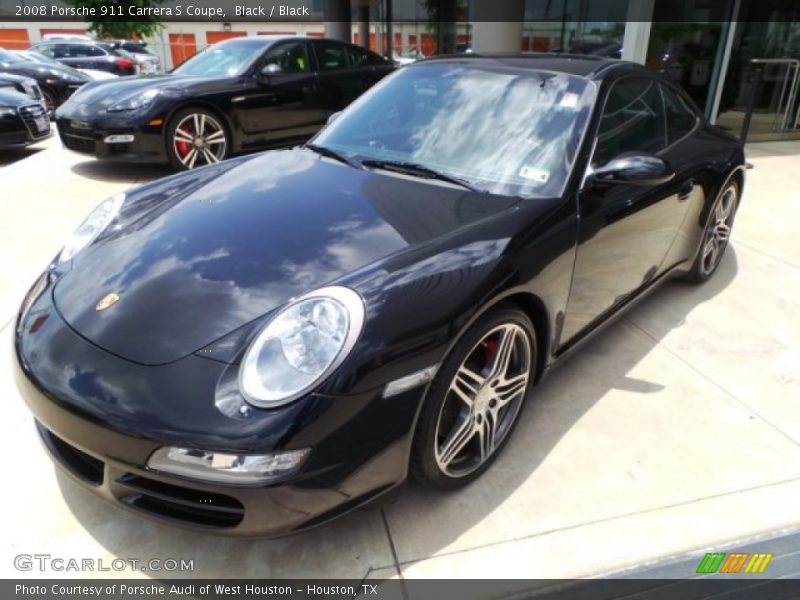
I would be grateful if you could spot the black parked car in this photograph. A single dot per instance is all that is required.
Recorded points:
(264, 344)
(102, 56)
(23, 85)
(23, 120)
(237, 96)
(57, 82)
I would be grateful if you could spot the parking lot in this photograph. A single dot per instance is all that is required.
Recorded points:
(674, 431)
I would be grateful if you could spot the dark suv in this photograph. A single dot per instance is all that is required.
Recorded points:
(103, 56)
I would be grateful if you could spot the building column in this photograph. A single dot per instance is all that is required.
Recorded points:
(503, 33)
(637, 30)
(363, 25)
(336, 14)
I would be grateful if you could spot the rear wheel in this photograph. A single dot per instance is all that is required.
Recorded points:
(475, 400)
(196, 137)
(716, 235)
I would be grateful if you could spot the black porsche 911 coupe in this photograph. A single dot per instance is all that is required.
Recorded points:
(236, 96)
(261, 345)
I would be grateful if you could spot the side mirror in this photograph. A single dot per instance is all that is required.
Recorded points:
(634, 169)
(333, 117)
(268, 72)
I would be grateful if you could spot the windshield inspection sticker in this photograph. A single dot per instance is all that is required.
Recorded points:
(534, 174)
(569, 100)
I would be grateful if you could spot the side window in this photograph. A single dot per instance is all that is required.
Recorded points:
(680, 116)
(291, 57)
(359, 57)
(331, 56)
(81, 50)
(47, 50)
(632, 120)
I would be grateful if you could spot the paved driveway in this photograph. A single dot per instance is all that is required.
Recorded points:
(675, 430)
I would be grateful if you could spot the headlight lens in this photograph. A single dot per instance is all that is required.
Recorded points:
(7, 110)
(301, 345)
(134, 102)
(92, 227)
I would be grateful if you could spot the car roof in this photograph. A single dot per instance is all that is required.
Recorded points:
(582, 65)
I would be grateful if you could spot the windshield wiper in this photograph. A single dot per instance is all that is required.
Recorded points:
(410, 168)
(325, 151)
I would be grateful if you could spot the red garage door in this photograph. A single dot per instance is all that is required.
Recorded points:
(14, 39)
(181, 47)
(212, 37)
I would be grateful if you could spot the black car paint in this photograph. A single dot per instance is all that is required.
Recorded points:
(257, 113)
(60, 82)
(19, 129)
(427, 258)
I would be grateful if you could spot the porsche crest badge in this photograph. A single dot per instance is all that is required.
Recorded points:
(107, 301)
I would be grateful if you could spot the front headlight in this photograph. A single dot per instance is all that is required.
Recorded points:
(93, 226)
(134, 102)
(301, 346)
(7, 110)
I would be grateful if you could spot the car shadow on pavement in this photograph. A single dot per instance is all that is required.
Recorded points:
(423, 522)
(12, 155)
(100, 170)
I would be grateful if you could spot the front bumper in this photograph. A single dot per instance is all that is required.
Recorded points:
(87, 135)
(22, 129)
(103, 436)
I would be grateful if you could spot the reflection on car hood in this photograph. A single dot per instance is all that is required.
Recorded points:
(98, 95)
(200, 254)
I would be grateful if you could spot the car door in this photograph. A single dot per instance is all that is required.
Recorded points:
(624, 231)
(279, 104)
(339, 82)
(362, 64)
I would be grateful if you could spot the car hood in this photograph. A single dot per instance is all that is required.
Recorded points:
(100, 94)
(196, 256)
(39, 71)
(12, 97)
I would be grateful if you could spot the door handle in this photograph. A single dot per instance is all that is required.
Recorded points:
(686, 190)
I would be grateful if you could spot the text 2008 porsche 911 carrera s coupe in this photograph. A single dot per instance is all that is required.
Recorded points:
(260, 345)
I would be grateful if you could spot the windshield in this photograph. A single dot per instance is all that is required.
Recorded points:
(222, 60)
(513, 131)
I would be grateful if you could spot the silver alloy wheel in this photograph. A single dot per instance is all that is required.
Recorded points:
(718, 230)
(483, 400)
(199, 136)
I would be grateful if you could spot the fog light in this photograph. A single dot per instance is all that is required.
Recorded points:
(246, 469)
(119, 139)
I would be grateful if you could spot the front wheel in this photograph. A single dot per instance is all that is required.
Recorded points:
(716, 234)
(475, 399)
(196, 137)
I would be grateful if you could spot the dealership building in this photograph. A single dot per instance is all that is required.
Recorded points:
(738, 59)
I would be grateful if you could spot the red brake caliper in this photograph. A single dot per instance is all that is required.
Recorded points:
(183, 147)
(489, 349)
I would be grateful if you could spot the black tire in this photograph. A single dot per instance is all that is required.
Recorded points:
(188, 153)
(425, 455)
(704, 265)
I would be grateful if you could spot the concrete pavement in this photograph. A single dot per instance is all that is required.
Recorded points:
(674, 431)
